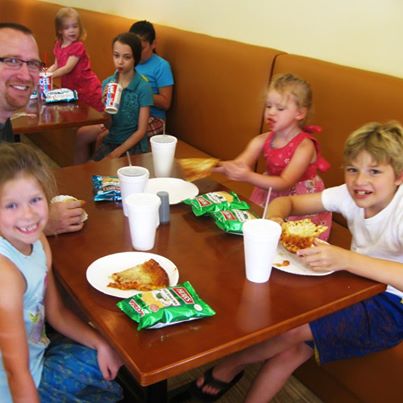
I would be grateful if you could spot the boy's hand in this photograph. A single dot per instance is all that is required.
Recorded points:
(324, 257)
(109, 361)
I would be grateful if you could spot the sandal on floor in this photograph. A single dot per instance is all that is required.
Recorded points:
(223, 387)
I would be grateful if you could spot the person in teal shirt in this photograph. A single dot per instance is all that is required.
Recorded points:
(129, 125)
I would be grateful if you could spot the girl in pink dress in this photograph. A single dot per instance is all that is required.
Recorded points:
(291, 152)
(72, 64)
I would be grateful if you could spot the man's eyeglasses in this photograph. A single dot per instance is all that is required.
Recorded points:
(16, 63)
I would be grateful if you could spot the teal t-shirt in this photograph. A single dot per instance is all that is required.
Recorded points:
(158, 73)
(124, 123)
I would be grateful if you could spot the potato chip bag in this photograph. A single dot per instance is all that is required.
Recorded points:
(216, 201)
(106, 188)
(232, 220)
(165, 307)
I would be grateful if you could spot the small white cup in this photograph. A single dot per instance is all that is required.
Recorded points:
(163, 150)
(133, 179)
(143, 209)
(260, 239)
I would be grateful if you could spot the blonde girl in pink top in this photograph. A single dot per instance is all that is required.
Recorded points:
(72, 63)
(290, 150)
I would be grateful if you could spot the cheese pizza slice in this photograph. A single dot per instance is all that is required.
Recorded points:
(300, 234)
(145, 276)
(196, 168)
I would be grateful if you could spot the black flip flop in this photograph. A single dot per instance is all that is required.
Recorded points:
(223, 387)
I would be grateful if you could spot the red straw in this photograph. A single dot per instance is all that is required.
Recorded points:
(45, 59)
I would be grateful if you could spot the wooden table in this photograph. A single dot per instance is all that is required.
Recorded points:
(212, 261)
(39, 117)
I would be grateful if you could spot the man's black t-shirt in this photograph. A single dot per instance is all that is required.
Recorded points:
(6, 132)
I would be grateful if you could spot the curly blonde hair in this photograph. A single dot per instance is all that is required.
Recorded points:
(290, 84)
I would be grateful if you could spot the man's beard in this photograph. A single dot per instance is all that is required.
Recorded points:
(17, 102)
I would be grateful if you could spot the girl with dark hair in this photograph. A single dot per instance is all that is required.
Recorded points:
(128, 126)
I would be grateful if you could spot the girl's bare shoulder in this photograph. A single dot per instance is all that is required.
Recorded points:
(12, 282)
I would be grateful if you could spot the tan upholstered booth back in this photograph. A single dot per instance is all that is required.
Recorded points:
(344, 99)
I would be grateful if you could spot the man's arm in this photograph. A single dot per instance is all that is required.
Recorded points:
(65, 217)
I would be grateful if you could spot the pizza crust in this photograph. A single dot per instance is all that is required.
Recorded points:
(196, 168)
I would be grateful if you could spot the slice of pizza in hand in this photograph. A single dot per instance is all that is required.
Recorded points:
(145, 276)
(196, 168)
(300, 234)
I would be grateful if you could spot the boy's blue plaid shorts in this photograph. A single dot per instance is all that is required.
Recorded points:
(366, 327)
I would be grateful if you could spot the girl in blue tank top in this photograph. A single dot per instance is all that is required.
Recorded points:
(33, 368)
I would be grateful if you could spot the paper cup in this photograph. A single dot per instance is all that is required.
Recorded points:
(133, 179)
(143, 209)
(45, 83)
(260, 239)
(112, 99)
(163, 150)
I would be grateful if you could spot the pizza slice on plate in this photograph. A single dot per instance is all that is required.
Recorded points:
(196, 168)
(145, 276)
(300, 234)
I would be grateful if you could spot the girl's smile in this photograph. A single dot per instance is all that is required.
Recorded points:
(372, 185)
(23, 212)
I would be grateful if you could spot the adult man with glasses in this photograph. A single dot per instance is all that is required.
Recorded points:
(19, 74)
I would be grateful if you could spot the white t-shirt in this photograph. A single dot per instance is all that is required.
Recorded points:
(380, 236)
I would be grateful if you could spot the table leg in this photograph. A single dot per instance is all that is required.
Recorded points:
(133, 392)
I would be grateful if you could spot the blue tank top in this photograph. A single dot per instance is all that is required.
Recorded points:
(34, 270)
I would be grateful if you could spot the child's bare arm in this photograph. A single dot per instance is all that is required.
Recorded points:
(164, 98)
(53, 67)
(70, 325)
(13, 338)
(290, 175)
(70, 64)
(246, 160)
(329, 257)
(136, 136)
(282, 207)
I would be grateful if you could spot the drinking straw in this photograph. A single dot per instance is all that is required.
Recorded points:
(163, 128)
(267, 202)
(45, 59)
(128, 158)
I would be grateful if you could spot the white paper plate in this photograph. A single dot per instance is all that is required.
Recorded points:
(99, 271)
(178, 189)
(295, 265)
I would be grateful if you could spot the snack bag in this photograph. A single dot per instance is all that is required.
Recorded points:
(216, 201)
(106, 188)
(61, 95)
(232, 220)
(165, 307)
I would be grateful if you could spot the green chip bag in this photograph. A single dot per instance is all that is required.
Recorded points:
(232, 220)
(165, 307)
(216, 201)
